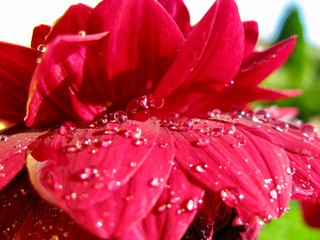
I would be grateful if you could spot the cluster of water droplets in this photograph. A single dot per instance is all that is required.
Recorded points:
(140, 107)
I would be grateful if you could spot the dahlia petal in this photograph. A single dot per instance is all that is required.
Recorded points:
(311, 214)
(217, 40)
(55, 94)
(88, 154)
(262, 64)
(39, 35)
(179, 12)
(14, 85)
(73, 21)
(251, 36)
(136, 58)
(13, 149)
(217, 153)
(23, 215)
(177, 205)
(119, 193)
(302, 146)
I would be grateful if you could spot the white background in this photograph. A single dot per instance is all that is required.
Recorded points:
(18, 17)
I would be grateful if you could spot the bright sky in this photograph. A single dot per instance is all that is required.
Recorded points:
(18, 17)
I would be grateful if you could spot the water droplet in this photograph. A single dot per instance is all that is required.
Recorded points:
(201, 142)
(41, 48)
(132, 131)
(156, 182)
(133, 164)
(273, 194)
(200, 168)
(262, 116)
(1, 167)
(282, 126)
(231, 196)
(99, 224)
(164, 207)
(229, 128)
(120, 116)
(82, 33)
(239, 143)
(113, 185)
(3, 137)
(86, 174)
(289, 170)
(308, 131)
(66, 128)
(163, 145)
(139, 142)
(214, 113)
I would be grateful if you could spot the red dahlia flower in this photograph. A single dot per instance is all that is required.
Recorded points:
(138, 127)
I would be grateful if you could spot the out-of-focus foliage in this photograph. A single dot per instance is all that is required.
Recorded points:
(302, 70)
(289, 227)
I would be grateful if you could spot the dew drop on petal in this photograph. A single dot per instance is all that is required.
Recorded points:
(273, 194)
(82, 33)
(41, 48)
(1, 167)
(99, 224)
(113, 185)
(139, 141)
(282, 126)
(156, 182)
(120, 116)
(262, 115)
(229, 128)
(200, 168)
(132, 131)
(231, 196)
(308, 131)
(66, 128)
(201, 142)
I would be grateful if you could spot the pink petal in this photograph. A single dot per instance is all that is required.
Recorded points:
(176, 207)
(251, 36)
(23, 215)
(137, 57)
(73, 21)
(302, 146)
(218, 41)
(108, 185)
(248, 171)
(262, 64)
(311, 214)
(14, 84)
(179, 12)
(55, 94)
(39, 35)
(13, 150)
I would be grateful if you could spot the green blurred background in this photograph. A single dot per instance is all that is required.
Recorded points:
(301, 71)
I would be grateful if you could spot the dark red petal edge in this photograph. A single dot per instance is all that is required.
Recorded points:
(23, 215)
(39, 35)
(55, 94)
(16, 68)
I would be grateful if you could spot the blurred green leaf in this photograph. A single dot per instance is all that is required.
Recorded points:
(289, 227)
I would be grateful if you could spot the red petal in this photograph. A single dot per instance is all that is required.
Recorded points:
(136, 58)
(179, 12)
(13, 149)
(176, 207)
(248, 171)
(23, 215)
(251, 36)
(16, 69)
(311, 214)
(39, 35)
(73, 21)
(218, 41)
(262, 64)
(55, 93)
(108, 190)
(302, 146)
